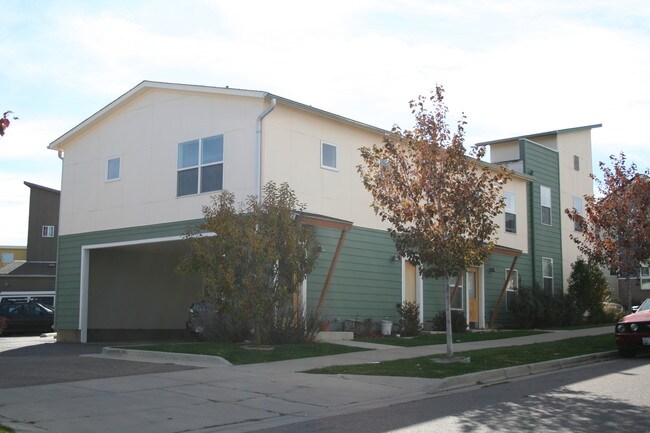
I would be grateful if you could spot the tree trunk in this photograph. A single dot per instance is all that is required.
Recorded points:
(450, 349)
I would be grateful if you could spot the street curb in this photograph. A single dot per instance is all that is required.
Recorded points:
(161, 357)
(505, 374)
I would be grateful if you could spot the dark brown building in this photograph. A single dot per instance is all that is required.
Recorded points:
(37, 273)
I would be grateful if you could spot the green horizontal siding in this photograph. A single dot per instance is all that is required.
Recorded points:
(543, 240)
(366, 283)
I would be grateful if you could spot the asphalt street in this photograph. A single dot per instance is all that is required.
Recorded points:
(607, 397)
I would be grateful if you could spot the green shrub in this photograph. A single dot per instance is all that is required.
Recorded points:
(458, 321)
(535, 308)
(589, 289)
(409, 322)
(292, 328)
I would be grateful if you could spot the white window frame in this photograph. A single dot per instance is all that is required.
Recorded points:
(461, 291)
(513, 284)
(108, 169)
(200, 165)
(47, 231)
(550, 277)
(644, 277)
(510, 208)
(545, 200)
(578, 205)
(336, 156)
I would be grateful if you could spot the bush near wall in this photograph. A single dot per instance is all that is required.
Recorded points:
(535, 308)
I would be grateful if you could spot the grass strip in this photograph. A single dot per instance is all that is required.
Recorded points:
(481, 360)
(5, 429)
(238, 354)
(460, 337)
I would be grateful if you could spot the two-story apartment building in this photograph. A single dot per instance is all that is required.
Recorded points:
(137, 173)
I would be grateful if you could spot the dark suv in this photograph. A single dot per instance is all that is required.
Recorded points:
(25, 317)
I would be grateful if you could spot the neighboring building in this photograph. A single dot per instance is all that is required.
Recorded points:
(9, 254)
(560, 164)
(37, 269)
(137, 173)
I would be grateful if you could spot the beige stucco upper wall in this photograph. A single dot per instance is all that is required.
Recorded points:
(573, 183)
(506, 151)
(292, 153)
(145, 133)
(518, 240)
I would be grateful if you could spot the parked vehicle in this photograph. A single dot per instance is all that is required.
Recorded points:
(633, 331)
(44, 297)
(26, 317)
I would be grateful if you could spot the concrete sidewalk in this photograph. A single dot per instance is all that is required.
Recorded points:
(243, 398)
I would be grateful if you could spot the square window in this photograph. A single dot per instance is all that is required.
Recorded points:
(7, 258)
(48, 231)
(113, 169)
(329, 157)
(200, 166)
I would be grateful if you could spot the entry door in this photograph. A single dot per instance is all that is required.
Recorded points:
(410, 278)
(473, 296)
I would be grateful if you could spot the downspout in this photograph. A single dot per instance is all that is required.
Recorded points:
(258, 148)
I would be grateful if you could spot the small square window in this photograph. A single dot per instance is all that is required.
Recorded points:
(329, 156)
(7, 258)
(48, 231)
(576, 163)
(113, 169)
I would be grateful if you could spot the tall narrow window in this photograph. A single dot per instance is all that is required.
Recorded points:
(456, 298)
(644, 278)
(547, 274)
(200, 166)
(511, 289)
(329, 156)
(545, 201)
(113, 169)
(48, 231)
(511, 212)
(577, 204)
(576, 163)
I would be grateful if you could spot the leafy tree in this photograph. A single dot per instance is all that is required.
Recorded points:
(588, 287)
(5, 122)
(441, 204)
(616, 227)
(258, 257)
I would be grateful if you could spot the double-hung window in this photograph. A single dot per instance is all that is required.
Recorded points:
(547, 274)
(456, 298)
(579, 207)
(511, 212)
(545, 202)
(511, 289)
(200, 166)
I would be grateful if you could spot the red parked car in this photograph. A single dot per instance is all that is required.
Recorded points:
(633, 331)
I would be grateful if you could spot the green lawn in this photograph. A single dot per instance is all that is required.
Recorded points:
(484, 359)
(237, 354)
(460, 337)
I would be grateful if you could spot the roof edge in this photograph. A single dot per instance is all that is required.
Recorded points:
(539, 134)
(33, 185)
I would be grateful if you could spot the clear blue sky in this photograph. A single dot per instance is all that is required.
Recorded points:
(513, 67)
